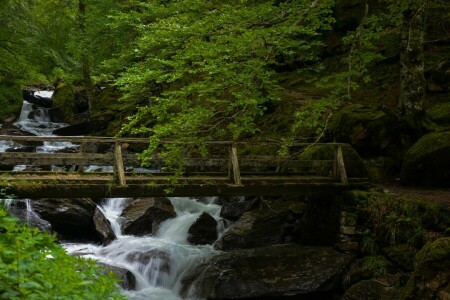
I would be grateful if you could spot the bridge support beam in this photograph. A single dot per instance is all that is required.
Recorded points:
(234, 174)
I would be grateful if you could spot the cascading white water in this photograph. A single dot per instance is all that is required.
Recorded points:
(157, 262)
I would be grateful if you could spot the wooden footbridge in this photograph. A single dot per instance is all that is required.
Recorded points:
(230, 168)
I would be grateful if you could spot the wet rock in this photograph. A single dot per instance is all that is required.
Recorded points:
(370, 290)
(273, 271)
(279, 221)
(203, 231)
(72, 218)
(126, 277)
(431, 276)
(83, 128)
(155, 265)
(103, 227)
(19, 209)
(234, 207)
(144, 215)
(427, 162)
(36, 99)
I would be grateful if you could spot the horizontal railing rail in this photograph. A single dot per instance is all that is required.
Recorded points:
(233, 159)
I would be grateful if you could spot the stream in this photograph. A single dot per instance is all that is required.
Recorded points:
(158, 262)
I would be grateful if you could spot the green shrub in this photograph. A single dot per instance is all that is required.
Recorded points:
(34, 266)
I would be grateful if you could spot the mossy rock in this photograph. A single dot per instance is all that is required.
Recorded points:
(106, 100)
(354, 165)
(64, 104)
(427, 162)
(431, 276)
(440, 114)
(10, 100)
(402, 255)
(370, 290)
(371, 131)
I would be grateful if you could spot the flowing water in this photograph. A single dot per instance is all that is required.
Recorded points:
(158, 262)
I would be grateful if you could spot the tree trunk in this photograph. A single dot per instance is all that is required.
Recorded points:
(84, 54)
(412, 78)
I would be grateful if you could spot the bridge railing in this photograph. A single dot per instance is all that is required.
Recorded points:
(233, 160)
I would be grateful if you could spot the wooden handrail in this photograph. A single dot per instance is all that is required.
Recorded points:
(236, 164)
(97, 139)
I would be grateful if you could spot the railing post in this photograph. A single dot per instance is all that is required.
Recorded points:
(81, 165)
(234, 174)
(340, 165)
(119, 163)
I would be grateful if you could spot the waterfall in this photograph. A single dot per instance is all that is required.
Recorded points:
(158, 262)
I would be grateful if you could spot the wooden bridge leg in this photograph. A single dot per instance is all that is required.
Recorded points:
(340, 172)
(234, 174)
(119, 163)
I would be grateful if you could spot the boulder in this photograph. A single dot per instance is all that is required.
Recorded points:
(126, 277)
(427, 162)
(273, 271)
(82, 128)
(71, 218)
(256, 228)
(36, 99)
(144, 215)
(354, 165)
(155, 265)
(103, 227)
(371, 131)
(203, 231)
(20, 209)
(234, 207)
(439, 113)
(63, 104)
(431, 276)
(285, 220)
(370, 290)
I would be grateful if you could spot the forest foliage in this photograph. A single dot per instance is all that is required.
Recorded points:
(203, 70)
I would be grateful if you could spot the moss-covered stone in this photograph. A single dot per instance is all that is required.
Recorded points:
(64, 104)
(402, 255)
(371, 131)
(370, 290)
(427, 162)
(431, 276)
(354, 165)
(10, 101)
(440, 113)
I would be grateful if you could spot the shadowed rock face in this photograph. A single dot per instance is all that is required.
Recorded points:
(203, 230)
(74, 218)
(427, 162)
(103, 227)
(144, 215)
(127, 279)
(279, 221)
(273, 271)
